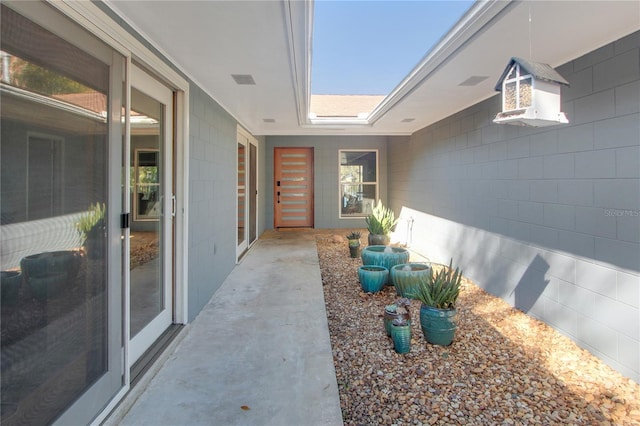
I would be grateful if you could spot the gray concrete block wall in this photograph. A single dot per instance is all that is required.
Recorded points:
(326, 188)
(212, 202)
(546, 218)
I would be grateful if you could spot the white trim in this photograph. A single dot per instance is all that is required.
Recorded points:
(300, 62)
(126, 247)
(182, 202)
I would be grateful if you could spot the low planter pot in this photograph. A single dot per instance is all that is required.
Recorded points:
(406, 276)
(401, 336)
(378, 239)
(386, 256)
(372, 277)
(354, 248)
(438, 325)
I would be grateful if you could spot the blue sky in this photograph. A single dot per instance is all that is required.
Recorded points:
(367, 47)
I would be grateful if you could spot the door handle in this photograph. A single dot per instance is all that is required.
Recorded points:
(278, 197)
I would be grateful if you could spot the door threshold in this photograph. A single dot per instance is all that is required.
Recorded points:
(142, 365)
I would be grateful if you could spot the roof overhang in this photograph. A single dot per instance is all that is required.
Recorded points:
(271, 40)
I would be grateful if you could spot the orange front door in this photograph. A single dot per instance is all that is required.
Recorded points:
(293, 187)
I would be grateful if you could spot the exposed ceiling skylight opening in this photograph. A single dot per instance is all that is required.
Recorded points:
(366, 48)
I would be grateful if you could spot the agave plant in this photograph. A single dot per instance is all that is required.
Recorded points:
(381, 220)
(441, 289)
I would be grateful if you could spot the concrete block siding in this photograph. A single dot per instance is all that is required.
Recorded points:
(546, 218)
(212, 183)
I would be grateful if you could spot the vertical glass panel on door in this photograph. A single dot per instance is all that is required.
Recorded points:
(54, 181)
(146, 239)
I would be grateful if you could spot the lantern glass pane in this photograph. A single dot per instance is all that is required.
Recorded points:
(526, 92)
(510, 96)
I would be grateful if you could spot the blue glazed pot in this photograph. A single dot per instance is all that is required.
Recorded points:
(386, 256)
(372, 277)
(406, 276)
(401, 335)
(438, 325)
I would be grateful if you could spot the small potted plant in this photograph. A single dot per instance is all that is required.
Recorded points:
(401, 335)
(380, 223)
(438, 293)
(399, 309)
(354, 243)
(92, 227)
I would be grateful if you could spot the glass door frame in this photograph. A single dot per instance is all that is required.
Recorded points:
(138, 344)
(250, 180)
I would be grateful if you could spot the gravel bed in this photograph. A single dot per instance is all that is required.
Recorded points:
(503, 367)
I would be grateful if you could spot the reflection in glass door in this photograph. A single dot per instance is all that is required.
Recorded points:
(60, 256)
(150, 241)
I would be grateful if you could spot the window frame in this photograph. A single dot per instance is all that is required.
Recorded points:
(376, 183)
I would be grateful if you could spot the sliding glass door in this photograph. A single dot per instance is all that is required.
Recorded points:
(60, 149)
(247, 193)
(151, 233)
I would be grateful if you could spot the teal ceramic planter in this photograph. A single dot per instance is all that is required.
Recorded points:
(386, 256)
(406, 276)
(401, 336)
(372, 277)
(438, 325)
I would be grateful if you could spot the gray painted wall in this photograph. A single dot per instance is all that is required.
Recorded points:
(547, 218)
(326, 189)
(212, 197)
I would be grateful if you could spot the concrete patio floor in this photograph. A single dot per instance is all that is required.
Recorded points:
(258, 353)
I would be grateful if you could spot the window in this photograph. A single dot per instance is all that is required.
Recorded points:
(358, 182)
(517, 90)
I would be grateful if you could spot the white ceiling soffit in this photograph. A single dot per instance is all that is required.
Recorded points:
(271, 41)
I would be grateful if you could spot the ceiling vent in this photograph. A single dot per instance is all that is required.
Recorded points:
(530, 94)
(243, 79)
